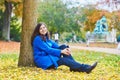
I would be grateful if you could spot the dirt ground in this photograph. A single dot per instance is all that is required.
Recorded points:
(9, 47)
(14, 47)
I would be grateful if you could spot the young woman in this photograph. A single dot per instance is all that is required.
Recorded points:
(48, 54)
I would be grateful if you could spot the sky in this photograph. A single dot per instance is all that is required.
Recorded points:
(85, 2)
(111, 7)
(81, 2)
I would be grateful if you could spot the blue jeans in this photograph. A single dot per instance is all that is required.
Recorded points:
(69, 61)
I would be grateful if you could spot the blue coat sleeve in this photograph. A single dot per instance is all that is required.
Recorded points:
(39, 43)
(54, 44)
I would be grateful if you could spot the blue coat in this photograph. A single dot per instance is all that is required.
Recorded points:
(46, 53)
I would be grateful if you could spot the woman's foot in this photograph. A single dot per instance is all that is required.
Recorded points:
(87, 70)
(90, 68)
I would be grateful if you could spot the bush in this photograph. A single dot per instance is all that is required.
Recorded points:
(15, 29)
(118, 38)
(1, 23)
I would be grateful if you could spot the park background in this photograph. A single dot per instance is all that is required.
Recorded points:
(18, 19)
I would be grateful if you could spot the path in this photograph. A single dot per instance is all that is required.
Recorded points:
(98, 49)
(14, 47)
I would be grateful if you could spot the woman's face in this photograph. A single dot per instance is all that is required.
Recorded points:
(43, 30)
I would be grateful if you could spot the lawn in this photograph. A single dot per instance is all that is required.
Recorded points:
(108, 68)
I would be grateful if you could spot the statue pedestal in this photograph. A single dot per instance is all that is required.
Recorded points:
(98, 38)
(106, 37)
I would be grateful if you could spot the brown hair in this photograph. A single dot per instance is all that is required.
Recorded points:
(36, 32)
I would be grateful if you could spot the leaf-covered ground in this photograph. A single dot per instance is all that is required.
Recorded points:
(108, 68)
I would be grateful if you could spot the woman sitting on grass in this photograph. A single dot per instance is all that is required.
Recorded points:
(48, 54)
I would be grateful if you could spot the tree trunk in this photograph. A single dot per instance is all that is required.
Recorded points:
(28, 25)
(6, 21)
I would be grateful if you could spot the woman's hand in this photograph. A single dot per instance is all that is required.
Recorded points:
(66, 51)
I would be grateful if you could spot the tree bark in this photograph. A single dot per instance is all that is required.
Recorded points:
(28, 25)
(6, 21)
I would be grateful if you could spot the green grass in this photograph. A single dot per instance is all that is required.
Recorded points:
(108, 68)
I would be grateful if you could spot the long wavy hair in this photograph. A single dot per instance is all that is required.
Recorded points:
(36, 32)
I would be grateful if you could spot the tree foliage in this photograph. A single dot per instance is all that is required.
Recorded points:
(16, 4)
(57, 16)
(15, 29)
(1, 22)
(92, 15)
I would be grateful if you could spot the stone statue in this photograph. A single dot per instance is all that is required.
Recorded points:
(101, 26)
(101, 32)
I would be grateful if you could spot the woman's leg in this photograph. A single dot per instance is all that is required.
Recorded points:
(63, 55)
(69, 61)
(73, 65)
(63, 46)
(67, 56)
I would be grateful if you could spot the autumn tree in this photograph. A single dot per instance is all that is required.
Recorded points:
(7, 7)
(115, 12)
(28, 24)
(92, 15)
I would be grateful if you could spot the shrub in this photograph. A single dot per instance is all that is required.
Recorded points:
(118, 38)
(15, 29)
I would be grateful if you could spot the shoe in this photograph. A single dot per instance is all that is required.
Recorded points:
(91, 68)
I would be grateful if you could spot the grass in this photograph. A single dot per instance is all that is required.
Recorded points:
(108, 68)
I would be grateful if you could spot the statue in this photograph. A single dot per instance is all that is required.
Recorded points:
(101, 26)
(101, 33)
